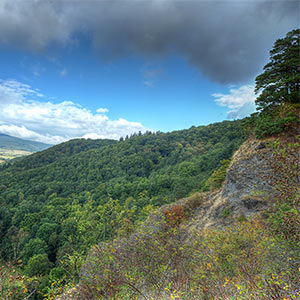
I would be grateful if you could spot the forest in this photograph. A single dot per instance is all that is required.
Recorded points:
(92, 215)
(57, 203)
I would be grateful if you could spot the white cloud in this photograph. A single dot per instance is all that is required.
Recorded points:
(23, 132)
(102, 110)
(12, 91)
(24, 115)
(240, 101)
(93, 136)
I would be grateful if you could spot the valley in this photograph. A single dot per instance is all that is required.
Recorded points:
(8, 154)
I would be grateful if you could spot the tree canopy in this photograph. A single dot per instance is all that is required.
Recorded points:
(56, 204)
(280, 81)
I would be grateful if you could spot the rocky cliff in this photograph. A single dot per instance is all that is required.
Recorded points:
(244, 191)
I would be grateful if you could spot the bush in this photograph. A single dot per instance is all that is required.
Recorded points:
(284, 119)
(161, 262)
(268, 125)
(193, 202)
(147, 262)
(175, 215)
(217, 178)
(57, 273)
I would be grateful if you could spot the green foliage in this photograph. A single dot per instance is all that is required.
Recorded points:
(46, 231)
(38, 264)
(256, 259)
(284, 215)
(239, 262)
(283, 120)
(284, 222)
(280, 81)
(14, 285)
(57, 273)
(58, 203)
(286, 169)
(279, 89)
(218, 176)
(71, 196)
(268, 125)
(33, 247)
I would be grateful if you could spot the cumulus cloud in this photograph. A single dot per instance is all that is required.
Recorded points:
(102, 110)
(240, 101)
(227, 40)
(22, 132)
(13, 92)
(24, 115)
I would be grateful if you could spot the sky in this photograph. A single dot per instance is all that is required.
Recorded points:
(109, 68)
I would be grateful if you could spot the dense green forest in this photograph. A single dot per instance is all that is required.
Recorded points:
(56, 204)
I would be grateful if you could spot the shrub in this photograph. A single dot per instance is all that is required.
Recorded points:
(239, 262)
(193, 201)
(14, 285)
(175, 215)
(284, 119)
(268, 125)
(218, 176)
(148, 262)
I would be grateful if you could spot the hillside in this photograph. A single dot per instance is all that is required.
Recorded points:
(178, 215)
(12, 147)
(13, 143)
(207, 213)
(57, 203)
(222, 244)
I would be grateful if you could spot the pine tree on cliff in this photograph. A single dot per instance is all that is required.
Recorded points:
(280, 81)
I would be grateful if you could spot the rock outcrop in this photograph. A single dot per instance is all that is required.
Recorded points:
(247, 181)
(245, 190)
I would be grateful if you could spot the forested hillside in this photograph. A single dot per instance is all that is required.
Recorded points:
(58, 203)
(13, 143)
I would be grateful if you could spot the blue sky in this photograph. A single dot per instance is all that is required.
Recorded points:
(71, 73)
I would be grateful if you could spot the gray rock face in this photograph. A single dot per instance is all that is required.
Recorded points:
(247, 181)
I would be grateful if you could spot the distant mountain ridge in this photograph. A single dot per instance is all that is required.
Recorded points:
(14, 143)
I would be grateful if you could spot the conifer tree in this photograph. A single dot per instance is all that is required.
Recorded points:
(280, 81)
